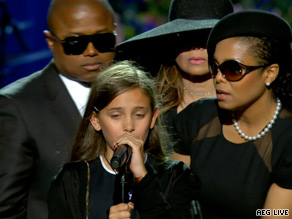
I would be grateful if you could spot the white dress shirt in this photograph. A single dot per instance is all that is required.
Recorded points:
(78, 92)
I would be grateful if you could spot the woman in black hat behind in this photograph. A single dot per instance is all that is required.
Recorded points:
(240, 143)
(177, 50)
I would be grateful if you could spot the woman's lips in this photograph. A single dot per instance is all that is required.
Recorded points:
(221, 95)
(197, 60)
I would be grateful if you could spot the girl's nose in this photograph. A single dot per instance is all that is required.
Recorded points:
(129, 125)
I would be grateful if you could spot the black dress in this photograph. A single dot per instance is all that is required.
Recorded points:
(235, 177)
(168, 121)
(87, 190)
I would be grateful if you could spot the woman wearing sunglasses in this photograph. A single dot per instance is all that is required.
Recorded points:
(240, 143)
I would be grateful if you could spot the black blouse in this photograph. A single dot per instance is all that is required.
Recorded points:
(235, 177)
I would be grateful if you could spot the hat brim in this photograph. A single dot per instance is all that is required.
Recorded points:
(175, 26)
(157, 46)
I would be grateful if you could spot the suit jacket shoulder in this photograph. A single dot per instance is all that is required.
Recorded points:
(38, 122)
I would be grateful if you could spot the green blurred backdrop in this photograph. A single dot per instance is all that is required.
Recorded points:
(137, 16)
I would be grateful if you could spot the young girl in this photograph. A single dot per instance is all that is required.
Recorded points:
(122, 110)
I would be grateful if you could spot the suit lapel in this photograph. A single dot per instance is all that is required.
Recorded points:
(63, 106)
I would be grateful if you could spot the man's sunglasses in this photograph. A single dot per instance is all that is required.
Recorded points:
(231, 70)
(75, 45)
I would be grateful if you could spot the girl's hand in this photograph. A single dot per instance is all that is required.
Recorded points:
(137, 165)
(122, 210)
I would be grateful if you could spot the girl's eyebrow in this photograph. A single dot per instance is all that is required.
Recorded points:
(120, 108)
(115, 109)
(140, 107)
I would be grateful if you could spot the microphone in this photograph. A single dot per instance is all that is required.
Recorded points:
(122, 154)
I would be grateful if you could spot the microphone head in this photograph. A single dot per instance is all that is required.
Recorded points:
(121, 155)
(116, 162)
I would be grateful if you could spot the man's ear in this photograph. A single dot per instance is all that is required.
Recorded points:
(154, 118)
(95, 121)
(272, 73)
(49, 39)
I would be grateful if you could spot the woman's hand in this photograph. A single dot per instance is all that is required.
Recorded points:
(136, 165)
(122, 210)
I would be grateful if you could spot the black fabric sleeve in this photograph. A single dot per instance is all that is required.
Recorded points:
(188, 122)
(167, 192)
(64, 195)
(282, 172)
(282, 152)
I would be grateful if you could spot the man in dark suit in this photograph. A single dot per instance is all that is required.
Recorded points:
(40, 114)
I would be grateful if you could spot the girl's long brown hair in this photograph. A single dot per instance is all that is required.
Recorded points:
(114, 80)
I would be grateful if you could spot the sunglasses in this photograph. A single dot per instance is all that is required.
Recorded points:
(75, 45)
(231, 70)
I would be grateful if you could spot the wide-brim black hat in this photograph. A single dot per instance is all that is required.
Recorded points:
(185, 17)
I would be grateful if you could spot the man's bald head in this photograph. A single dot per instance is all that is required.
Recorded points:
(76, 18)
(57, 8)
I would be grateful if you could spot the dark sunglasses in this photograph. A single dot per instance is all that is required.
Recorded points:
(231, 70)
(75, 45)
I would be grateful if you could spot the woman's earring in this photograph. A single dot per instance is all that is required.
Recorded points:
(268, 84)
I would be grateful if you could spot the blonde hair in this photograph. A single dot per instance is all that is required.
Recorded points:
(169, 87)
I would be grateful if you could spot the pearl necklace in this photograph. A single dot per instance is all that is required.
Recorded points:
(265, 130)
(198, 93)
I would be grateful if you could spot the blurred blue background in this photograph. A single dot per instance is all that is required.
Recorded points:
(23, 49)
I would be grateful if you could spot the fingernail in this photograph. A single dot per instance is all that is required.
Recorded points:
(116, 145)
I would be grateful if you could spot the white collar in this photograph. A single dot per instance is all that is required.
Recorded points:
(78, 92)
(111, 171)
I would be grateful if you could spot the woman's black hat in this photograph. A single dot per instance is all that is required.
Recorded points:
(256, 23)
(185, 16)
